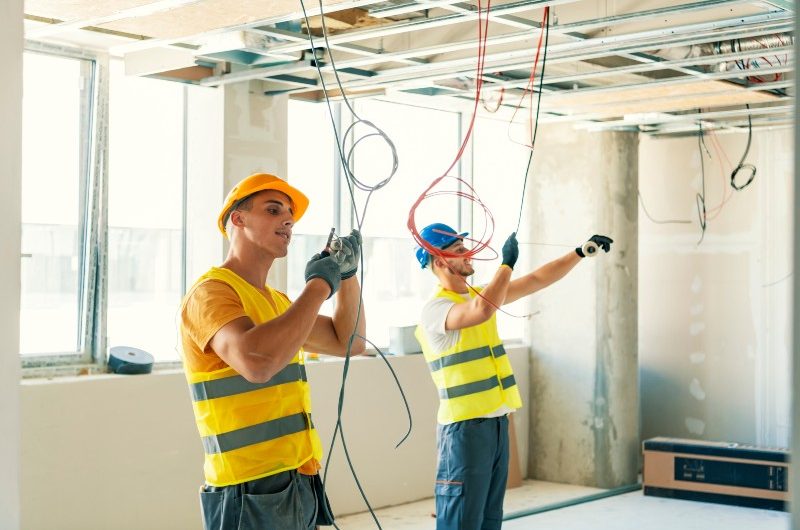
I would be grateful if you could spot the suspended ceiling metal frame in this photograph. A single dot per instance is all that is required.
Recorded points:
(445, 68)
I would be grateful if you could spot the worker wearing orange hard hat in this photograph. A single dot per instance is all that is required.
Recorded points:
(243, 345)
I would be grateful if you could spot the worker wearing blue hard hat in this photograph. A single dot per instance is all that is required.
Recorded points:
(440, 236)
(472, 373)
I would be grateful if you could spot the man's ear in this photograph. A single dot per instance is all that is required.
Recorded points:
(237, 218)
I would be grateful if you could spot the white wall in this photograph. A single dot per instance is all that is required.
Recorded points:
(715, 318)
(122, 452)
(10, 171)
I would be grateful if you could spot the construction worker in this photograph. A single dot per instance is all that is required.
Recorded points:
(477, 390)
(243, 347)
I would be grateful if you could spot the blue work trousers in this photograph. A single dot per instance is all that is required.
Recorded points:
(472, 473)
(286, 501)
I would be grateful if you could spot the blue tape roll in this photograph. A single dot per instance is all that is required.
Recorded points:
(128, 360)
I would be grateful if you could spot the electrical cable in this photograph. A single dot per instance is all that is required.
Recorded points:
(660, 221)
(484, 240)
(700, 198)
(354, 182)
(742, 166)
(483, 22)
(535, 125)
(529, 87)
(499, 103)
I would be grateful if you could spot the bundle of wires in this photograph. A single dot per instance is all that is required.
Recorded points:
(346, 157)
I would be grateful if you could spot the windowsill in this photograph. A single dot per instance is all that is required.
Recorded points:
(72, 372)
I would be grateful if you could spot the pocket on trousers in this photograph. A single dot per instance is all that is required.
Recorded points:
(211, 503)
(272, 511)
(449, 489)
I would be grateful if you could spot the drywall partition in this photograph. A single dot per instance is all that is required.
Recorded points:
(123, 452)
(10, 219)
(584, 391)
(715, 315)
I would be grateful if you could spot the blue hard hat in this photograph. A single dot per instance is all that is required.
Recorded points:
(438, 235)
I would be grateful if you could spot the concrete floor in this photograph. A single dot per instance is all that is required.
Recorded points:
(630, 511)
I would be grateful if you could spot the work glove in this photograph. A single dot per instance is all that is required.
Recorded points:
(511, 251)
(326, 267)
(595, 243)
(351, 246)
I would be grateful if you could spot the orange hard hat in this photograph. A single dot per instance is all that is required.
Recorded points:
(254, 184)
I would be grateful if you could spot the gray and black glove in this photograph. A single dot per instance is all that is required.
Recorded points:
(327, 268)
(511, 251)
(351, 247)
(595, 243)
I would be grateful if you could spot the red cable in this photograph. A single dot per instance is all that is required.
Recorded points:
(529, 88)
(484, 240)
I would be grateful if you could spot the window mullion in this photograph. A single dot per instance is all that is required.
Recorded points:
(96, 308)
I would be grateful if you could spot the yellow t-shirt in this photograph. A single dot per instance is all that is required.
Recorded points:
(209, 307)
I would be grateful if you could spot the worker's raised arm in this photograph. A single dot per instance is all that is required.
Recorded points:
(258, 352)
(481, 308)
(553, 271)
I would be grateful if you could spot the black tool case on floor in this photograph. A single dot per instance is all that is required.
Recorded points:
(726, 473)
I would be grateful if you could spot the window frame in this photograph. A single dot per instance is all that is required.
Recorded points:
(93, 163)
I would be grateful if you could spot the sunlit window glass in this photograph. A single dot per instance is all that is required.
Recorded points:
(56, 109)
(145, 211)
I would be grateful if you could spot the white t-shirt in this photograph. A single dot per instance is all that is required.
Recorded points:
(432, 321)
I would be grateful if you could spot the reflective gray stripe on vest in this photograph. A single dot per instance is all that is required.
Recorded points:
(508, 381)
(262, 432)
(476, 386)
(466, 356)
(230, 386)
(469, 388)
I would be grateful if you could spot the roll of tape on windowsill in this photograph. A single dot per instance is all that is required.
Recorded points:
(128, 360)
(590, 249)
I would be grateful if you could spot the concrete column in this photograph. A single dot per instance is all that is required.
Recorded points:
(256, 141)
(584, 371)
(10, 230)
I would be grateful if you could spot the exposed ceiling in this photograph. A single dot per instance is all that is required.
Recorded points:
(657, 66)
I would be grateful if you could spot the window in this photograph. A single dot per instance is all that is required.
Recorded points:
(56, 137)
(87, 290)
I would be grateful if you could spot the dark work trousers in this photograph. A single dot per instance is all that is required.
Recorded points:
(472, 473)
(286, 501)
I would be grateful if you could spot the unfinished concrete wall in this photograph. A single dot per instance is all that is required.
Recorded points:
(10, 230)
(584, 390)
(255, 141)
(715, 316)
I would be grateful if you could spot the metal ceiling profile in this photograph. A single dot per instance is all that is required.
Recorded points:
(715, 54)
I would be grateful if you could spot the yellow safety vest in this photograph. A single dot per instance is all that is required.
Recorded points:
(252, 430)
(474, 377)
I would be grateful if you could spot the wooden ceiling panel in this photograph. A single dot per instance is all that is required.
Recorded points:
(69, 10)
(206, 16)
(656, 98)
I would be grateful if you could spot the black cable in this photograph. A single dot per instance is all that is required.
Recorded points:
(742, 165)
(536, 121)
(700, 198)
(660, 221)
(353, 182)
